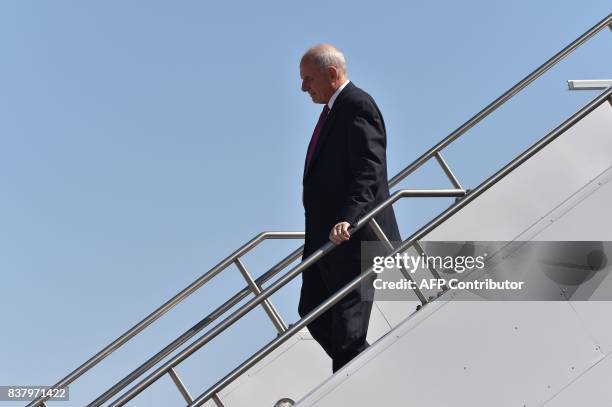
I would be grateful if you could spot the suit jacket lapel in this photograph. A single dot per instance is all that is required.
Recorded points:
(328, 125)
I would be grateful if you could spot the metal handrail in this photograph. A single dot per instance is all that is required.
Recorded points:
(168, 305)
(239, 313)
(502, 99)
(434, 151)
(191, 332)
(406, 244)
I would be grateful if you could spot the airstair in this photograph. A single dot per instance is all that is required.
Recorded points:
(441, 347)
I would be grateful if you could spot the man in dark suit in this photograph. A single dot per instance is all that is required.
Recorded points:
(345, 176)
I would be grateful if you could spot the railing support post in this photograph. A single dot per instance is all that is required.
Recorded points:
(381, 235)
(266, 304)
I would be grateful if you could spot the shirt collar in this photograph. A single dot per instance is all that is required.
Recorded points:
(332, 99)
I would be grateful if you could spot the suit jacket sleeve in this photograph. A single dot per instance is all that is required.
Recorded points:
(366, 160)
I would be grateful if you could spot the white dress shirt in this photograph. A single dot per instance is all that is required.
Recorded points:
(332, 99)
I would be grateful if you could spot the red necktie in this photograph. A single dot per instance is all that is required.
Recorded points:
(315, 136)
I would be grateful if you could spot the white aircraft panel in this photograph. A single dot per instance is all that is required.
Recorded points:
(593, 385)
(470, 354)
(585, 215)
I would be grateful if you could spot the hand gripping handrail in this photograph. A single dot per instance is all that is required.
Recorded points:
(435, 151)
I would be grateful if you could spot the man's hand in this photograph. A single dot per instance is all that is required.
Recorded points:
(339, 233)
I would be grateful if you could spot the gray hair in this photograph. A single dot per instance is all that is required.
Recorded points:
(324, 56)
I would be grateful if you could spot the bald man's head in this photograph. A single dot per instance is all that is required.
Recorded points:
(323, 71)
(325, 56)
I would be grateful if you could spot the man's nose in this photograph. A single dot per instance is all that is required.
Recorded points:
(304, 89)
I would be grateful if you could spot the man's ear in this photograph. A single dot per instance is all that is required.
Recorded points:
(333, 73)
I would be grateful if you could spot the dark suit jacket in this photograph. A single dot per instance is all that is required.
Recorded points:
(346, 178)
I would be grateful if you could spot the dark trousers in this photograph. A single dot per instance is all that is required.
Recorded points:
(341, 330)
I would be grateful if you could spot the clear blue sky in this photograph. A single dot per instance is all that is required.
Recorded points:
(141, 142)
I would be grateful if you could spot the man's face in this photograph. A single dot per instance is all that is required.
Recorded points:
(316, 82)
